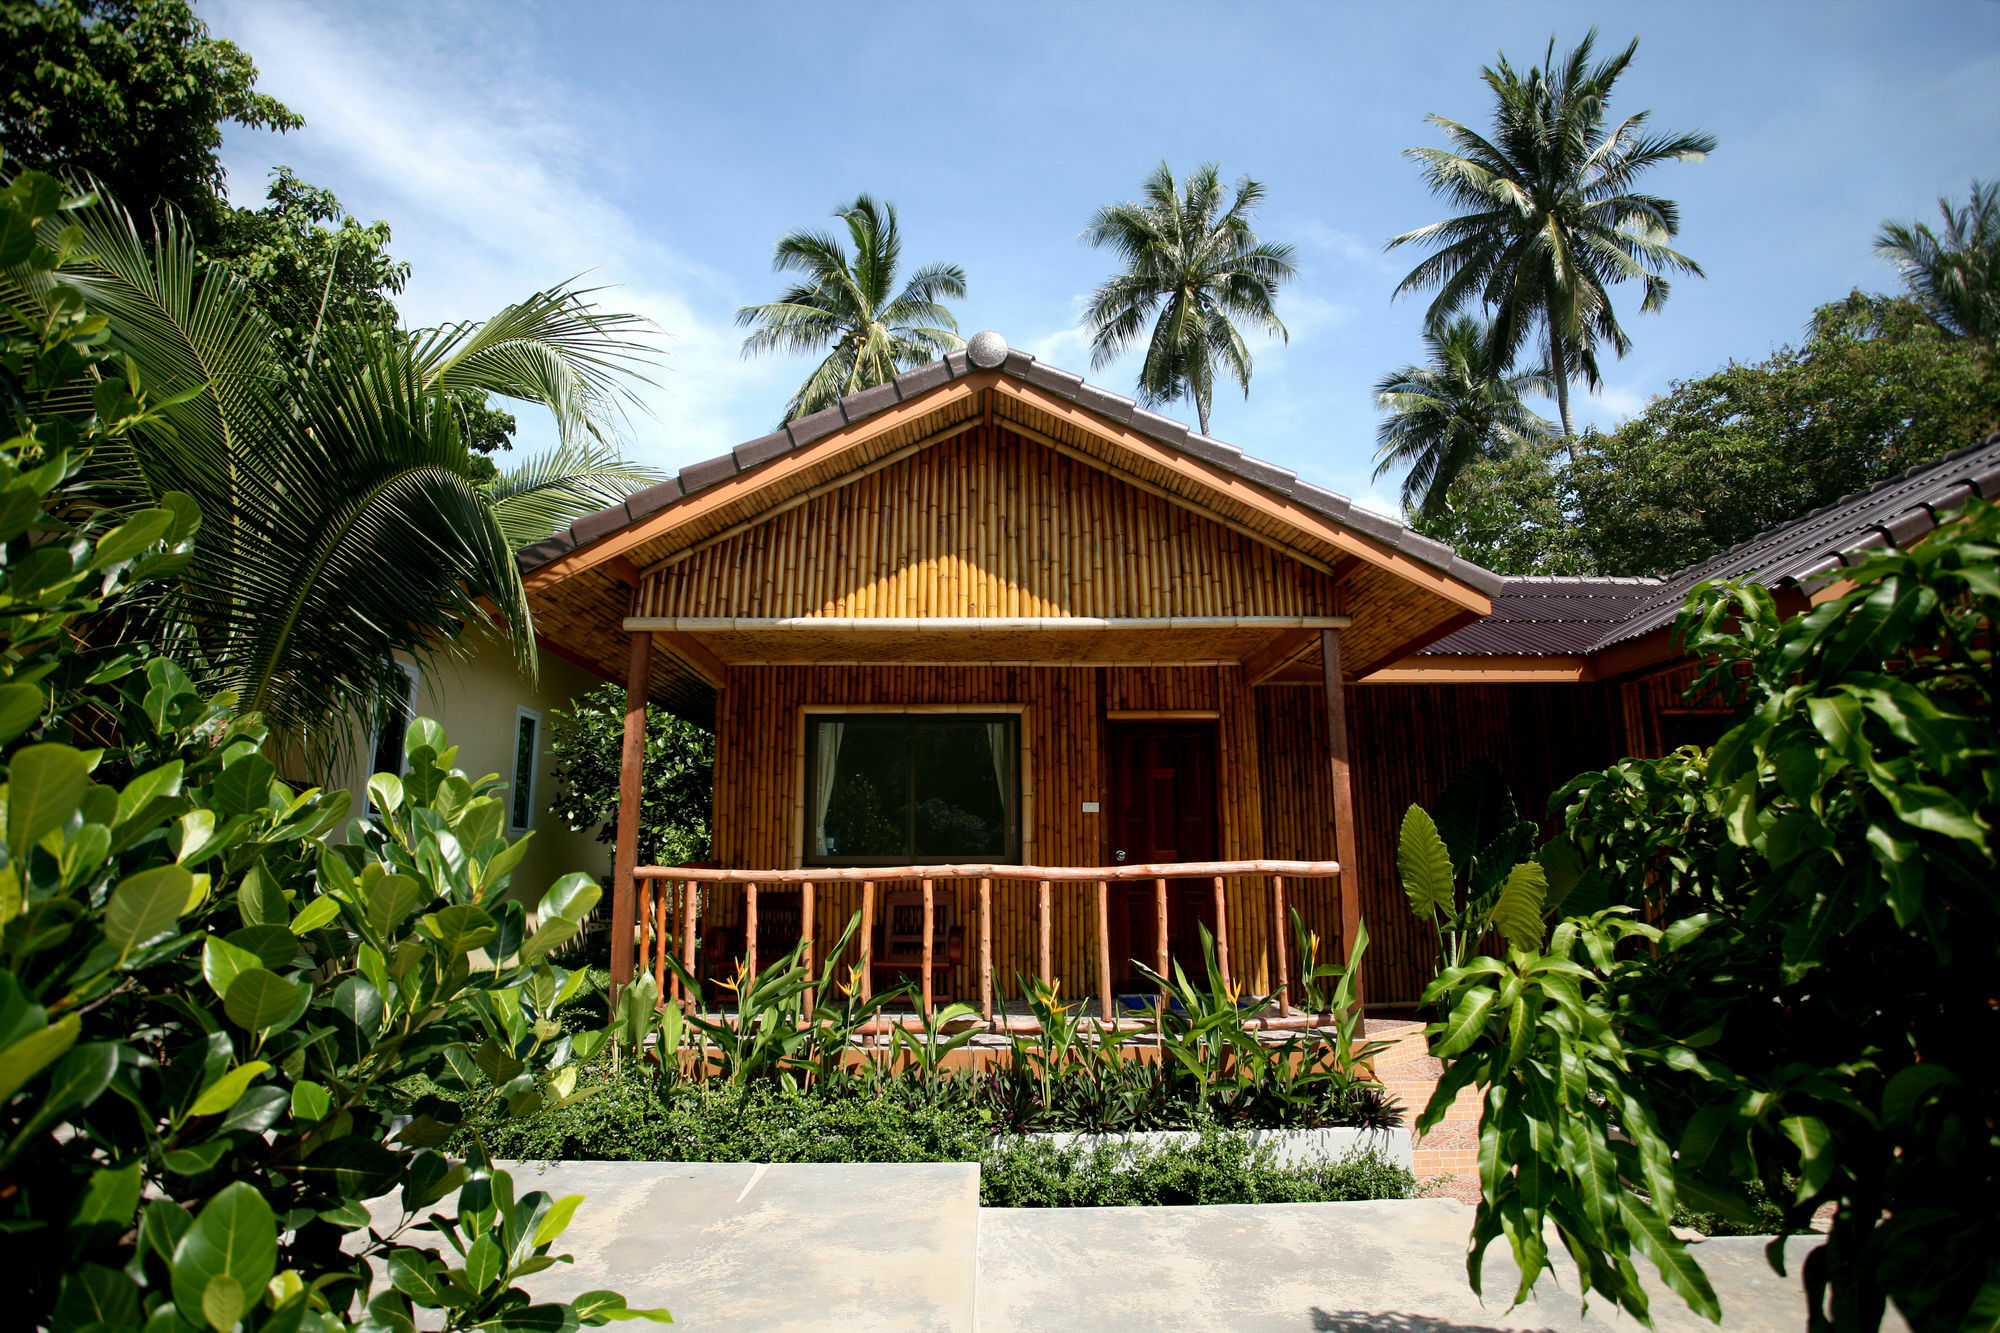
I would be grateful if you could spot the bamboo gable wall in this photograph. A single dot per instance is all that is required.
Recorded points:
(987, 524)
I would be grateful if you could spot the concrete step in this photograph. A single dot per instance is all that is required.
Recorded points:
(1394, 1265)
(738, 1246)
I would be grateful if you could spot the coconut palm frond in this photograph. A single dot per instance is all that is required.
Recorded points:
(553, 489)
(1191, 267)
(849, 308)
(1548, 222)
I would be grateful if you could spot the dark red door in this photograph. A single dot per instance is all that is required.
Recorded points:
(1163, 809)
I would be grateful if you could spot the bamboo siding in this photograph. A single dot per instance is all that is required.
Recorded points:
(759, 806)
(1408, 741)
(987, 524)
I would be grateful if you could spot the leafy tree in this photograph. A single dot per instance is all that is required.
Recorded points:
(1192, 268)
(353, 489)
(1443, 417)
(1793, 983)
(1954, 276)
(208, 1015)
(131, 93)
(303, 272)
(850, 308)
(1878, 389)
(677, 790)
(1551, 217)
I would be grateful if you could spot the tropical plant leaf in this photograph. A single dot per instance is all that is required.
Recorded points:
(1424, 864)
(1517, 912)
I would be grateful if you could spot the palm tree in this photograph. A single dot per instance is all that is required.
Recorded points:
(1955, 276)
(340, 516)
(1461, 407)
(1192, 268)
(851, 306)
(1551, 219)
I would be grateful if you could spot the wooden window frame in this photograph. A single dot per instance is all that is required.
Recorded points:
(1024, 782)
(534, 767)
(416, 678)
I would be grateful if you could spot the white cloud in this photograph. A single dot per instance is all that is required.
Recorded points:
(493, 196)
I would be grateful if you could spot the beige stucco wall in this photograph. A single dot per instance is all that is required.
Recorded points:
(476, 698)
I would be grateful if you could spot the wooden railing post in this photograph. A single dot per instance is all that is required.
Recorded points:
(1343, 799)
(643, 936)
(929, 943)
(1222, 930)
(677, 923)
(1162, 959)
(1047, 960)
(986, 949)
(663, 907)
(1104, 946)
(749, 935)
(1282, 980)
(631, 763)
(806, 931)
(867, 939)
(690, 930)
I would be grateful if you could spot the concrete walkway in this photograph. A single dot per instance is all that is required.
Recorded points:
(743, 1247)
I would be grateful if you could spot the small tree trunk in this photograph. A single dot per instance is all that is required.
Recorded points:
(1560, 372)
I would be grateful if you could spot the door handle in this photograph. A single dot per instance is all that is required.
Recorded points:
(1119, 856)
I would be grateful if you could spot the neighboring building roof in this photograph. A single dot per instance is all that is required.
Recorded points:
(1550, 617)
(989, 352)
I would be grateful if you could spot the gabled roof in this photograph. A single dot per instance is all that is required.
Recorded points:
(1547, 617)
(993, 355)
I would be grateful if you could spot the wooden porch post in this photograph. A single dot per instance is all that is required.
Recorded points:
(624, 897)
(1343, 799)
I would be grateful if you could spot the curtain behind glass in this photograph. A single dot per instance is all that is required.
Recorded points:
(996, 737)
(826, 756)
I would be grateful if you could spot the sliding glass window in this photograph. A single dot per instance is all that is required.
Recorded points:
(904, 789)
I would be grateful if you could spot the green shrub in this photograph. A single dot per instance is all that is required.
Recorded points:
(1220, 1167)
(208, 1016)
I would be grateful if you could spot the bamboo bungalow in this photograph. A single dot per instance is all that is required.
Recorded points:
(989, 615)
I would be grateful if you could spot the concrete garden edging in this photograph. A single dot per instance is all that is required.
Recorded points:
(1289, 1147)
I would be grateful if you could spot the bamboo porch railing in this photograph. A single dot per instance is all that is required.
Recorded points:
(668, 903)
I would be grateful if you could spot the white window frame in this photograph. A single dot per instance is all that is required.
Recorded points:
(534, 766)
(415, 674)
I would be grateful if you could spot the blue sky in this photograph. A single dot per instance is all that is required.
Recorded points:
(665, 148)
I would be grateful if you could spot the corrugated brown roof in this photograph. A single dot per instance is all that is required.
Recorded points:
(1550, 617)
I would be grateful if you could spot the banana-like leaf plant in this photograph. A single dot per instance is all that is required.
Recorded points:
(1469, 869)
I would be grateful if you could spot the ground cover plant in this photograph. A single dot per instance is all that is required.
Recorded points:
(1792, 982)
(207, 1013)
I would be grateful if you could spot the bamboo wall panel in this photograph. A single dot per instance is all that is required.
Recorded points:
(1407, 742)
(1641, 700)
(758, 809)
(988, 524)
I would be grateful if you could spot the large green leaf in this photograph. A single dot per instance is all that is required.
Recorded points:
(235, 1236)
(1476, 807)
(261, 1000)
(461, 928)
(44, 784)
(222, 962)
(147, 904)
(1424, 864)
(1517, 912)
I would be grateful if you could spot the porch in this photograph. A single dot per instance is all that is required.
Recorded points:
(912, 929)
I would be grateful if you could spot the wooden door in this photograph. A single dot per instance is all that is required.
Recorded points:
(1163, 809)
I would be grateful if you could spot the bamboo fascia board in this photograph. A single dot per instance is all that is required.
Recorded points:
(734, 489)
(963, 624)
(1241, 491)
(826, 487)
(1443, 669)
(1193, 506)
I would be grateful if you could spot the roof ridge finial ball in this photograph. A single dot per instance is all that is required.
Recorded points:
(986, 350)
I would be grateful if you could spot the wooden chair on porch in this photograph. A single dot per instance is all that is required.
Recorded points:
(779, 920)
(898, 946)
